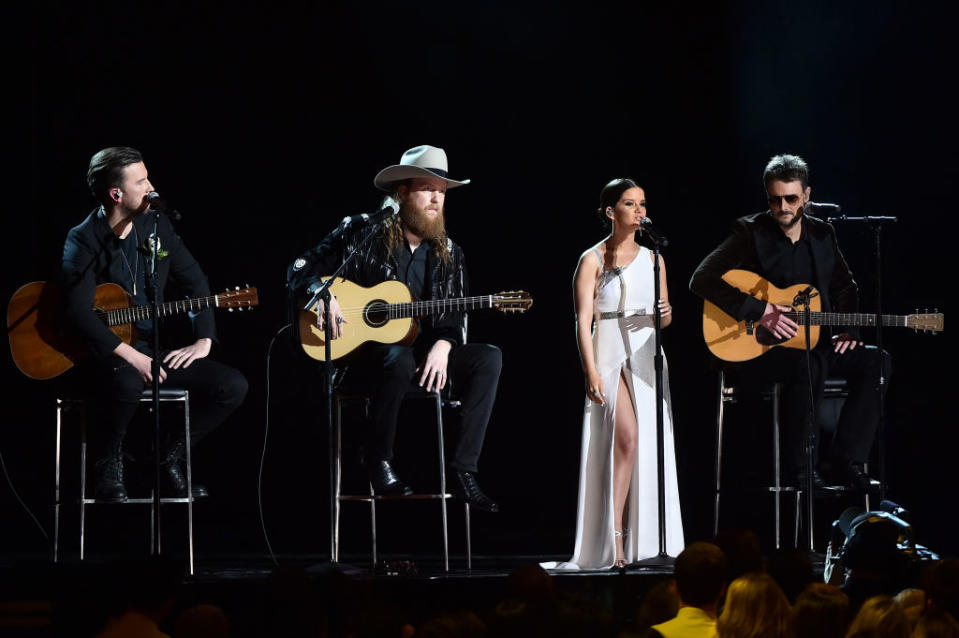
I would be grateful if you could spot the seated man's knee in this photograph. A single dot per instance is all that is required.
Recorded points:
(233, 387)
(398, 362)
(491, 358)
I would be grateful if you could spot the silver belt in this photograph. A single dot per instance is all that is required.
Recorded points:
(620, 314)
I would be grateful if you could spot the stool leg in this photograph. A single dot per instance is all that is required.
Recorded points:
(337, 477)
(720, 406)
(797, 517)
(83, 486)
(442, 456)
(373, 521)
(56, 486)
(776, 467)
(469, 548)
(189, 476)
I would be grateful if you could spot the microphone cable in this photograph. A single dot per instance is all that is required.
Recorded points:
(266, 433)
(26, 508)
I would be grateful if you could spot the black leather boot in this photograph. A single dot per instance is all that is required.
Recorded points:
(176, 479)
(466, 488)
(108, 485)
(385, 481)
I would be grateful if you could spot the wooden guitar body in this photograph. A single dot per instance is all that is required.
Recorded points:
(363, 322)
(732, 340)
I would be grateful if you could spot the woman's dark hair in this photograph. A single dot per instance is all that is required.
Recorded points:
(611, 194)
(106, 169)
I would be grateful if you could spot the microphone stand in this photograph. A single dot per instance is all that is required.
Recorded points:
(802, 298)
(875, 222)
(662, 559)
(153, 287)
(323, 293)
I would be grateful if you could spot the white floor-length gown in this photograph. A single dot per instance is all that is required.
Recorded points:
(625, 345)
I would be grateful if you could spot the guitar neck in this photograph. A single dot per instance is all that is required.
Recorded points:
(847, 319)
(121, 316)
(437, 306)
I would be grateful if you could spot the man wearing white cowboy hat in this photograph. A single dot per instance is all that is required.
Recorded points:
(413, 248)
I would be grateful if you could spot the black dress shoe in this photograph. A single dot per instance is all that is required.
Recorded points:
(466, 488)
(385, 481)
(856, 474)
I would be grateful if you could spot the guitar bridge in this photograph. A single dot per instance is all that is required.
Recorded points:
(749, 326)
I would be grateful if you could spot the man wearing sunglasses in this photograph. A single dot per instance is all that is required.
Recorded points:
(787, 246)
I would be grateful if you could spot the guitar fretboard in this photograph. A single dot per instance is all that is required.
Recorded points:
(122, 316)
(847, 319)
(433, 306)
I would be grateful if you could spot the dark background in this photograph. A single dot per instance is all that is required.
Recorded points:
(265, 124)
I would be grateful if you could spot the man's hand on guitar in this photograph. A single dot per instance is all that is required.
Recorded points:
(435, 365)
(183, 357)
(140, 362)
(776, 322)
(336, 330)
(844, 341)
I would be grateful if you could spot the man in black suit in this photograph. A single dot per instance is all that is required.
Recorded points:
(787, 246)
(110, 246)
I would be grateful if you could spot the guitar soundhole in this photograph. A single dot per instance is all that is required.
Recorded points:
(375, 313)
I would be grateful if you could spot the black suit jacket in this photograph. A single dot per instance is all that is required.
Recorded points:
(754, 246)
(92, 255)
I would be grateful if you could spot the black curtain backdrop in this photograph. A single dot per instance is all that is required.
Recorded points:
(266, 122)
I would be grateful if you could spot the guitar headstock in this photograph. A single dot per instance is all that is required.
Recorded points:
(512, 301)
(238, 299)
(927, 322)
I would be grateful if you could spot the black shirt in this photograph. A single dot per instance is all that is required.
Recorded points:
(412, 268)
(795, 265)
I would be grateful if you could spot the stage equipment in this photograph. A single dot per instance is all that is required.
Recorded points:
(658, 242)
(880, 540)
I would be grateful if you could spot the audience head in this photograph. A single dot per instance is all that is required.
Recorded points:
(742, 550)
(943, 586)
(879, 617)
(913, 602)
(700, 571)
(821, 611)
(755, 607)
(661, 603)
(936, 623)
(202, 621)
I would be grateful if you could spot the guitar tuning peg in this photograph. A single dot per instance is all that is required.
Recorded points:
(229, 309)
(246, 285)
(236, 288)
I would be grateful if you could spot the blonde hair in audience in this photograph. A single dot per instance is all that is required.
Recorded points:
(755, 607)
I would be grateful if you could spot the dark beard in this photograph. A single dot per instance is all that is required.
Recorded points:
(420, 224)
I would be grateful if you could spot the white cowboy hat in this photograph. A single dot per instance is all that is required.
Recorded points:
(421, 161)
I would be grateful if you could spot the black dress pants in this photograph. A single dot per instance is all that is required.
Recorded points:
(389, 372)
(115, 387)
(860, 414)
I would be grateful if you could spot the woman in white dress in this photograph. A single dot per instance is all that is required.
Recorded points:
(617, 512)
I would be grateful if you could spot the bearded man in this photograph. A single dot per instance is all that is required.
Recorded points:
(412, 248)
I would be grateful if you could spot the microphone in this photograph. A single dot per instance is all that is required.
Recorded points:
(646, 225)
(162, 205)
(823, 208)
(387, 212)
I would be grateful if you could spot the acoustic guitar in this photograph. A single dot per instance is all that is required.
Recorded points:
(43, 348)
(732, 340)
(386, 313)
